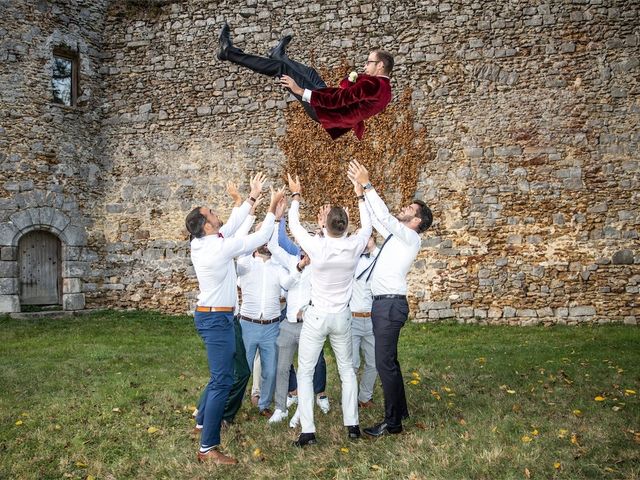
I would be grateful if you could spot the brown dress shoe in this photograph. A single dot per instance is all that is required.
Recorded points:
(255, 399)
(367, 404)
(216, 457)
(266, 413)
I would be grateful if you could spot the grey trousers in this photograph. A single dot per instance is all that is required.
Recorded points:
(287, 344)
(362, 337)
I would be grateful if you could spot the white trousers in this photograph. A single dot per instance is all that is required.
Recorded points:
(317, 326)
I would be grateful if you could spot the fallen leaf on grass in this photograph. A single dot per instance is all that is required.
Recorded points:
(81, 464)
(24, 414)
(557, 466)
(152, 430)
(629, 392)
(527, 473)
(344, 450)
(116, 410)
(535, 432)
(57, 427)
(599, 398)
(562, 433)
(577, 413)
(414, 382)
(375, 467)
(435, 394)
(421, 425)
(90, 477)
(574, 439)
(616, 408)
(526, 439)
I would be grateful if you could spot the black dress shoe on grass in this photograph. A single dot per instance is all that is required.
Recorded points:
(353, 432)
(382, 429)
(224, 41)
(279, 50)
(305, 439)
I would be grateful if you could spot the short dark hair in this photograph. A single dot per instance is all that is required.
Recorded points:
(337, 221)
(387, 60)
(424, 214)
(195, 223)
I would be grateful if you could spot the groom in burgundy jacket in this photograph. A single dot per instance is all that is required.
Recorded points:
(338, 110)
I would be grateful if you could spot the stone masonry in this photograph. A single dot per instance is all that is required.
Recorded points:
(530, 111)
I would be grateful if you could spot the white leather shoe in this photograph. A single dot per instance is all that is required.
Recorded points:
(291, 400)
(295, 420)
(278, 416)
(323, 403)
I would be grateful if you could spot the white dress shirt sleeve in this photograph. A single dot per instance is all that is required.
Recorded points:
(243, 265)
(365, 225)
(234, 247)
(279, 255)
(306, 241)
(244, 229)
(238, 215)
(306, 95)
(388, 221)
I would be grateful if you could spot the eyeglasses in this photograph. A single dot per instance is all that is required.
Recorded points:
(371, 61)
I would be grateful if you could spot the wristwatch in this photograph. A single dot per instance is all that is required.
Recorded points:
(367, 186)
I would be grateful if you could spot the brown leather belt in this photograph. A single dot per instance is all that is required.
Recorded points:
(213, 309)
(261, 322)
(361, 314)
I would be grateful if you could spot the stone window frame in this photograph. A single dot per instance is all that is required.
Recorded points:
(69, 54)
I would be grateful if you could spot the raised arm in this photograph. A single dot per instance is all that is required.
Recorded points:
(303, 238)
(359, 173)
(280, 255)
(238, 215)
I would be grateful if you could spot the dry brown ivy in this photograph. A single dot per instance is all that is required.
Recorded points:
(391, 150)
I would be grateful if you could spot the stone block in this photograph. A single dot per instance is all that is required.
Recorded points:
(72, 285)
(582, 311)
(46, 215)
(9, 303)
(623, 257)
(75, 269)
(8, 253)
(73, 301)
(495, 312)
(630, 320)
(22, 219)
(74, 235)
(59, 221)
(8, 269)
(526, 312)
(465, 312)
(544, 312)
(509, 312)
(435, 305)
(8, 286)
(480, 313)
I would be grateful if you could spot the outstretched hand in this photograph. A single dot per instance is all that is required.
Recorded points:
(232, 190)
(256, 184)
(287, 82)
(276, 197)
(258, 201)
(322, 215)
(357, 173)
(294, 185)
(281, 208)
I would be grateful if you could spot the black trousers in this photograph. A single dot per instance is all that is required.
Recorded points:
(305, 76)
(388, 316)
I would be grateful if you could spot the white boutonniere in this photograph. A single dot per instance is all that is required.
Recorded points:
(353, 76)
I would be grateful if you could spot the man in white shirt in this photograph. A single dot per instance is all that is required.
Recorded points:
(361, 326)
(333, 260)
(212, 256)
(390, 309)
(260, 280)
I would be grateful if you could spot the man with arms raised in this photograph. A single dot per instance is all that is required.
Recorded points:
(212, 256)
(390, 309)
(333, 257)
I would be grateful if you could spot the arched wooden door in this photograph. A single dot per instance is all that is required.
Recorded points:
(39, 258)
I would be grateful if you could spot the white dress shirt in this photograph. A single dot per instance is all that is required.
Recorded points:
(298, 284)
(361, 299)
(396, 257)
(260, 283)
(333, 260)
(212, 257)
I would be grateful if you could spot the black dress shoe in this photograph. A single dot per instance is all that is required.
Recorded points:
(279, 50)
(382, 429)
(305, 439)
(224, 41)
(353, 432)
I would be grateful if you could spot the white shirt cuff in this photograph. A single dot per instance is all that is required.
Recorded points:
(306, 95)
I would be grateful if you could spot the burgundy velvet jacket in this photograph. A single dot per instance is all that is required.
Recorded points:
(342, 109)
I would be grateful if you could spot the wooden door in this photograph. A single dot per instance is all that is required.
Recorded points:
(40, 269)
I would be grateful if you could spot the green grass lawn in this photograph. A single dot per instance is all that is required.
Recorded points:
(109, 396)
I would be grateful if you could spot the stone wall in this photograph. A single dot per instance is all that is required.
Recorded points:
(529, 113)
